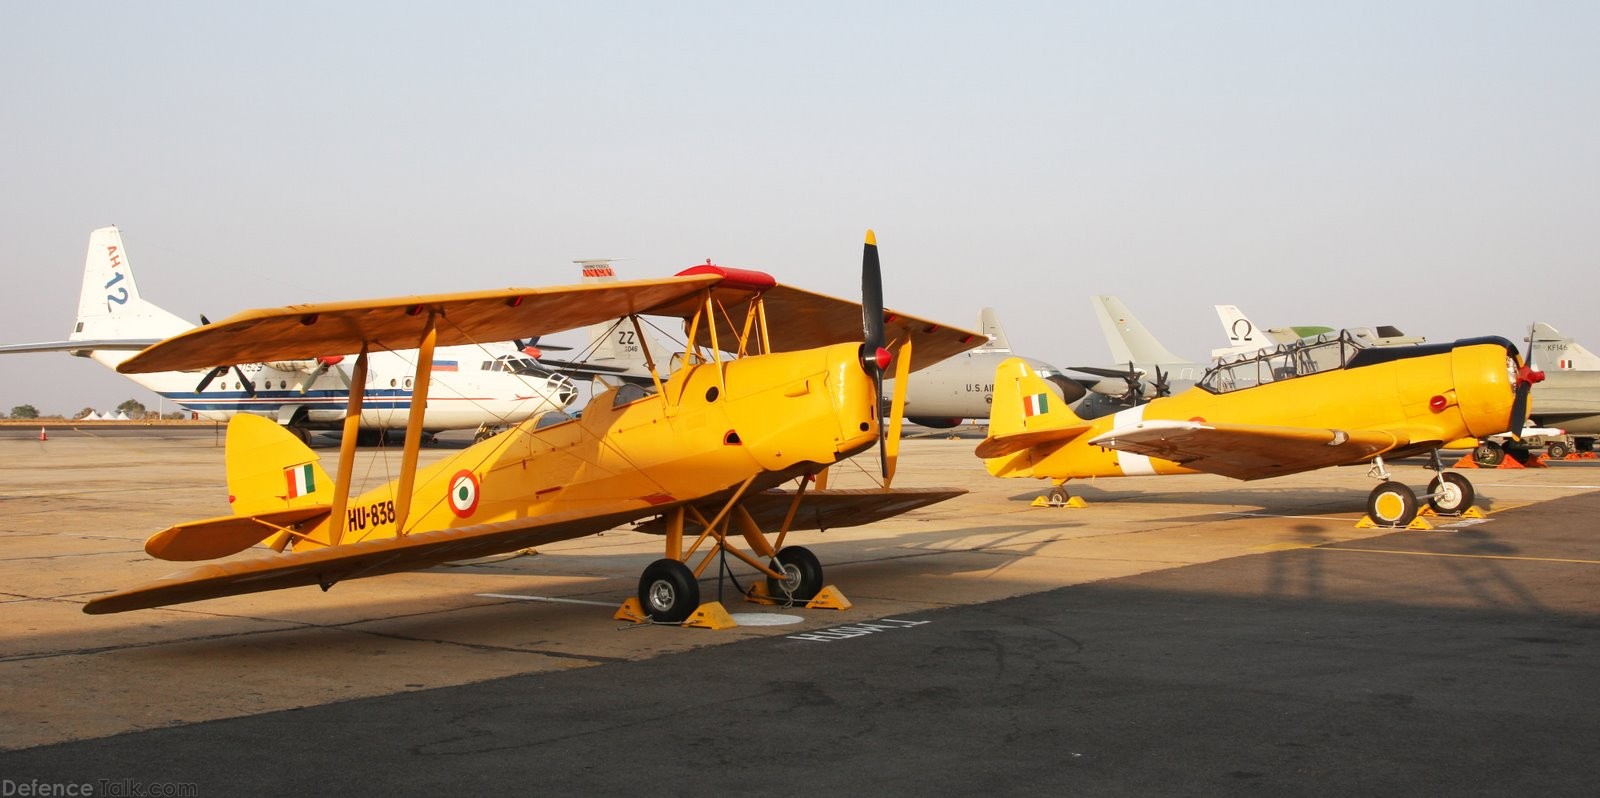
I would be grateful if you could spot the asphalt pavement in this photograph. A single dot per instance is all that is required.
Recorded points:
(1464, 663)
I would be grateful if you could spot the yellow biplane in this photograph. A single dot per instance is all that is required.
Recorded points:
(1328, 401)
(775, 385)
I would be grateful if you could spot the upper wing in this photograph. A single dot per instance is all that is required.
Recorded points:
(799, 319)
(367, 558)
(300, 332)
(1245, 451)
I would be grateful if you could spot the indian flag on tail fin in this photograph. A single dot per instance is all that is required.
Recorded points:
(301, 480)
(1035, 405)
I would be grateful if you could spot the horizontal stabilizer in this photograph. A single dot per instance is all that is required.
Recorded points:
(220, 537)
(797, 320)
(1244, 451)
(1009, 443)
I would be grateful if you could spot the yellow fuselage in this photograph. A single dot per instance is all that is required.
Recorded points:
(1396, 396)
(713, 426)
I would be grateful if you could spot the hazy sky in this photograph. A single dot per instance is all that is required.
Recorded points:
(1429, 165)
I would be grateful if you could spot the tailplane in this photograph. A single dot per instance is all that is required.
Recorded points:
(275, 482)
(1028, 410)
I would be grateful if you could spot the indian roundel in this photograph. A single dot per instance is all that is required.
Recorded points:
(464, 493)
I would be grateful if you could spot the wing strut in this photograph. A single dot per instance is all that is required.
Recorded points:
(897, 412)
(347, 447)
(419, 407)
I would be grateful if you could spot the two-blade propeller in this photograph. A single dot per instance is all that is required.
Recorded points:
(245, 384)
(1527, 374)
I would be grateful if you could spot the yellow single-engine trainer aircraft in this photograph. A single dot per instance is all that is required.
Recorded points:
(776, 385)
(1332, 400)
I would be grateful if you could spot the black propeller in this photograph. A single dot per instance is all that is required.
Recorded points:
(1161, 386)
(244, 382)
(874, 357)
(1527, 374)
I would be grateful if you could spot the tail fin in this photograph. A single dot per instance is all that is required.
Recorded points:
(1243, 335)
(989, 325)
(110, 307)
(1128, 339)
(1553, 351)
(1028, 410)
(274, 482)
(615, 345)
(269, 469)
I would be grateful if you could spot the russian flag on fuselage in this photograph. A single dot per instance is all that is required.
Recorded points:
(446, 365)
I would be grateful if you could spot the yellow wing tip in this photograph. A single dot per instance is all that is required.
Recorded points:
(872, 239)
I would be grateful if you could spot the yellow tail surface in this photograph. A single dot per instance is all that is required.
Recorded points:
(269, 469)
(1027, 411)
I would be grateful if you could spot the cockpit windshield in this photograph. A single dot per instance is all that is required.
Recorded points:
(1326, 352)
(516, 364)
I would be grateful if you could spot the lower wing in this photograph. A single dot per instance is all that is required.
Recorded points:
(368, 558)
(1245, 451)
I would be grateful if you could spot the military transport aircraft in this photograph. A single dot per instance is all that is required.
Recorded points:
(777, 385)
(483, 386)
(1332, 400)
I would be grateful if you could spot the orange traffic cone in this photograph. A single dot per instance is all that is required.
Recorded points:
(42, 436)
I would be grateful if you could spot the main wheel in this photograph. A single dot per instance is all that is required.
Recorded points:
(1059, 495)
(1556, 450)
(1489, 454)
(1450, 494)
(803, 574)
(668, 591)
(1392, 504)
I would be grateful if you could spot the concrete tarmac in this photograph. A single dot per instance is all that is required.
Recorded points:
(1180, 635)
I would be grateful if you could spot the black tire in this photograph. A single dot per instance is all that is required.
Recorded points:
(668, 591)
(1392, 504)
(1059, 495)
(805, 574)
(1518, 452)
(1556, 450)
(1584, 444)
(1450, 494)
(1488, 454)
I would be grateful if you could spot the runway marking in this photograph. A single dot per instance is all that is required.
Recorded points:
(551, 599)
(1465, 556)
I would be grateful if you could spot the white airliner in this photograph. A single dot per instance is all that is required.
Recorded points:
(473, 387)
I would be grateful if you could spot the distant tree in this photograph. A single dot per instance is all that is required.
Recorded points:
(24, 411)
(133, 407)
(81, 414)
